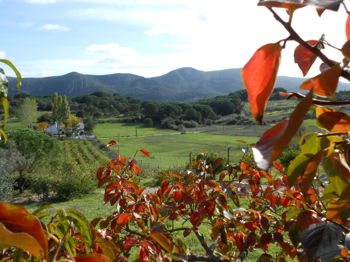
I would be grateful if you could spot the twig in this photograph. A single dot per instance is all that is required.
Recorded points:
(209, 259)
(54, 258)
(294, 35)
(204, 244)
(315, 101)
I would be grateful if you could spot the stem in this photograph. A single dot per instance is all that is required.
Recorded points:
(204, 244)
(209, 259)
(316, 101)
(294, 35)
(60, 245)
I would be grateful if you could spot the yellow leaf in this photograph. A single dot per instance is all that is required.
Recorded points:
(21, 240)
(162, 240)
(324, 84)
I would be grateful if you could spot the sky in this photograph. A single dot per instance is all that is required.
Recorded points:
(151, 37)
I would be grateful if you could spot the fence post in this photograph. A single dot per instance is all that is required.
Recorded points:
(190, 156)
(228, 155)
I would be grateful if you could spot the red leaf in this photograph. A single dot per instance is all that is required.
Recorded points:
(279, 167)
(178, 196)
(277, 183)
(307, 218)
(347, 27)
(332, 120)
(304, 57)
(259, 76)
(130, 242)
(123, 219)
(195, 219)
(324, 84)
(145, 152)
(273, 199)
(285, 201)
(136, 169)
(93, 258)
(112, 143)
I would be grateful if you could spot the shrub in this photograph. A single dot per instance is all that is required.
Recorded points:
(148, 122)
(62, 179)
(190, 124)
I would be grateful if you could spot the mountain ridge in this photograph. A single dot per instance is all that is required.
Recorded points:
(183, 84)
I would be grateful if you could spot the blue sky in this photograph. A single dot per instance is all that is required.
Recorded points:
(148, 37)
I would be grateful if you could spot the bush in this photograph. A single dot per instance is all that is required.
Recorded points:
(190, 124)
(287, 156)
(62, 180)
(148, 122)
(169, 123)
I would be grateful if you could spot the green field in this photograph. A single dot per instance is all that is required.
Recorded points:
(171, 149)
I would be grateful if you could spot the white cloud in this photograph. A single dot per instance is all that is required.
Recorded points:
(52, 27)
(2, 54)
(42, 2)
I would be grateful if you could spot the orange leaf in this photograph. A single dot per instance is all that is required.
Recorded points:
(347, 28)
(123, 219)
(145, 152)
(338, 211)
(346, 50)
(21, 240)
(310, 172)
(162, 240)
(332, 5)
(333, 120)
(325, 83)
(277, 138)
(295, 121)
(304, 57)
(17, 219)
(93, 258)
(112, 143)
(263, 149)
(280, 4)
(259, 76)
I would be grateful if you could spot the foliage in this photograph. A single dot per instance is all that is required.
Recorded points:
(303, 212)
(27, 111)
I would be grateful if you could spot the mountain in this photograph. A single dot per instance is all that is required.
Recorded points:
(183, 84)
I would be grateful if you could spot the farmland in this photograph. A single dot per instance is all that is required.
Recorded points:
(171, 149)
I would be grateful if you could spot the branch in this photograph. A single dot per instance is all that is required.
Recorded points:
(204, 244)
(315, 101)
(177, 229)
(294, 35)
(209, 259)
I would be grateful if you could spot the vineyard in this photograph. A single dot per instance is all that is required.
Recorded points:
(84, 152)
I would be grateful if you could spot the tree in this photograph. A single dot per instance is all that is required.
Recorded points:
(306, 215)
(34, 146)
(55, 106)
(27, 111)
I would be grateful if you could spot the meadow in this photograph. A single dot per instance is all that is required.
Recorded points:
(171, 149)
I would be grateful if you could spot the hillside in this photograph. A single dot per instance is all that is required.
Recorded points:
(183, 84)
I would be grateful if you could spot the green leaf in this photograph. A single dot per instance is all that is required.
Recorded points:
(293, 213)
(5, 105)
(310, 143)
(18, 74)
(82, 224)
(335, 171)
(296, 168)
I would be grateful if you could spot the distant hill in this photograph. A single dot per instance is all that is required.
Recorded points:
(183, 84)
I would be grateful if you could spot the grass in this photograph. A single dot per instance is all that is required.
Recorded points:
(115, 130)
(173, 151)
(90, 205)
